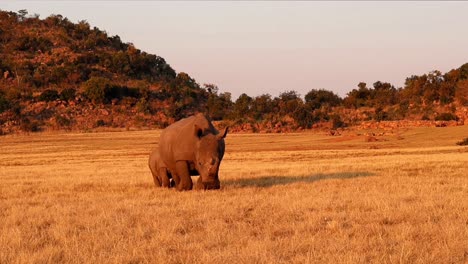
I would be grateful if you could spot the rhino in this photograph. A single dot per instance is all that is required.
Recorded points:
(161, 175)
(192, 146)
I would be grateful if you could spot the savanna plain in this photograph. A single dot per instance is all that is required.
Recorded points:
(284, 198)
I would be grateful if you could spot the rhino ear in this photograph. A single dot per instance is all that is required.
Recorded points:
(198, 131)
(223, 133)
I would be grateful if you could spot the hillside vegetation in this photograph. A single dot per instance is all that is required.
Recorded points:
(284, 198)
(60, 75)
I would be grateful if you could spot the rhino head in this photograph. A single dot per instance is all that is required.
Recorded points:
(209, 151)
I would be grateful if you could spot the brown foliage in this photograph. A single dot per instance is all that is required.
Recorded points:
(461, 93)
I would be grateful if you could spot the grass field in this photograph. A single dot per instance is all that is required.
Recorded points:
(285, 198)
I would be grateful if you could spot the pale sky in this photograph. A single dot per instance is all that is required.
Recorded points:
(271, 47)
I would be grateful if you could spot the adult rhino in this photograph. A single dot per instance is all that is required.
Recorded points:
(190, 147)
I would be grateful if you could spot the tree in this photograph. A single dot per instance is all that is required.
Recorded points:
(358, 97)
(448, 86)
(383, 94)
(121, 63)
(303, 115)
(289, 102)
(432, 86)
(461, 92)
(22, 14)
(464, 71)
(242, 106)
(185, 95)
(211, 88)
(262, 106)
(414, 88)
(316, 99)
(217, 105)
(95, 89)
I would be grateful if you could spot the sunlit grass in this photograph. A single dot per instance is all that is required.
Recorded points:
(304, 198)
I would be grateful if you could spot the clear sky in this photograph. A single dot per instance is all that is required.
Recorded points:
(271, 47)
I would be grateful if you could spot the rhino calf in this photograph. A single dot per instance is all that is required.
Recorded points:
(161, 175)
(191, 147)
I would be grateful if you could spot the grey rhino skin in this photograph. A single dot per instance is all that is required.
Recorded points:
(161, 175)
(190, 147)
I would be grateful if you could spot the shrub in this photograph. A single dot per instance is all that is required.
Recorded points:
(337, 122)
(446, 117)
(100, 123)
(49, 95)
(119, 92)
(464, 142)
(68, 94)
(63, 121)
(95, 89)
(4, 103)
(13, 94)
(380, 114)
(143, 106)
(27, 125)
(304, 116)
(318, 98)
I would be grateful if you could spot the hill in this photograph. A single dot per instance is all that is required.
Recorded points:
(59, 75)
(52, 64)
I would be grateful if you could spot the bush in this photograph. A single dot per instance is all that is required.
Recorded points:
(380, 114)
(143, 106)
(337, 122)
(303, 116)
(13, 94)
(464, 142)
(4, 103)
(63, 122)
(27, 125)
(96, 88)
(319, 98)
(446, 117)
(119, 92)
(49, 95)
(100, 123)
(68, 94)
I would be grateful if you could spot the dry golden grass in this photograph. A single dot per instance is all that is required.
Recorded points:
(294, 198)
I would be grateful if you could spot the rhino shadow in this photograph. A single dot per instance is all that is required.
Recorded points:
(269, 181)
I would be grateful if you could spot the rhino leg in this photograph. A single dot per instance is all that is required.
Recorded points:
(175, 179)
(216, 184)
(183, 174)
(156, 178)
(199, 185)
(164, 178)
